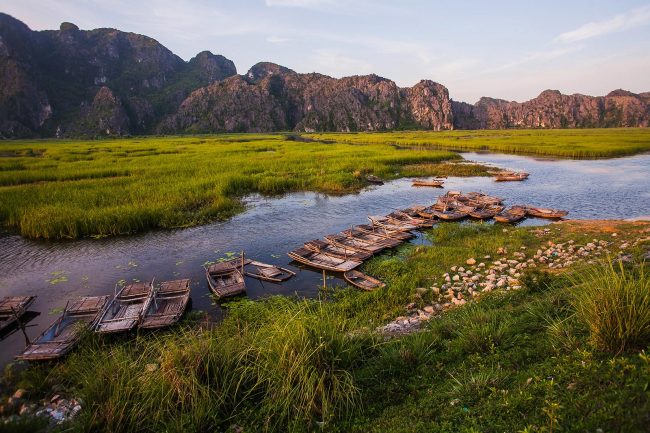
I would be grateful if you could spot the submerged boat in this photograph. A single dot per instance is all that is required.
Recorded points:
(226, 278)
(323, 261)
(431, 183)
(266, 272)
(371, 237)
(511, 215)
(12, 309)
(363, 281)
(381, 231)
(384, 222)
(168, 304)
(344, 241)
(374, 179)
(486, 212)
(542, 212)
(61, 337)
(126, 309)
(506, 176)
(330, 249)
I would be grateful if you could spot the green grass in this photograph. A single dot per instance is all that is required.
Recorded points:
(514, 361)
(69, 189)
(565, 143)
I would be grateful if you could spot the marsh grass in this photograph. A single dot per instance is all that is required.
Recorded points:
(614, 303)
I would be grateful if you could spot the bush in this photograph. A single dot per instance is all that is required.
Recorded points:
(615, 305)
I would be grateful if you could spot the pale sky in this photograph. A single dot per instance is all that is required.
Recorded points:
(506, 49)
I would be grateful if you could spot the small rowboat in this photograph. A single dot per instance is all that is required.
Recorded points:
(479, 197)
(329, 249)
(12, 309)
(541, 212)
(226, 279)
(380, 231)
(430, 183)
(363, 281)
(448, 215)
(460, 207)
(511, 215)
(374, 179)
(404, 218)
(323, 261)
(384, 222)
(355, 244)
(486, 212)
(126, 309)
(370, 237)
(169, 303)
(65, 332)
(272, 273)
(506, 176)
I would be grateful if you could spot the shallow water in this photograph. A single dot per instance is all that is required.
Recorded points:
(58, 271)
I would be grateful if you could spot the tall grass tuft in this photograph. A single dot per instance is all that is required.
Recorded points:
(614, 303)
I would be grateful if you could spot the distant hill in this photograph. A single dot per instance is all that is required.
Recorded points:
(104, 82)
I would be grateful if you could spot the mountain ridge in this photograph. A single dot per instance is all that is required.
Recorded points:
(105, 82)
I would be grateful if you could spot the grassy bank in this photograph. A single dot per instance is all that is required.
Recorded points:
(566, 143)
(526, 360)
(69, 189)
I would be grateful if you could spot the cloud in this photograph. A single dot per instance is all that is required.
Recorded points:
(307, 4)
(273, 39)
(628, 20)
(537, 56)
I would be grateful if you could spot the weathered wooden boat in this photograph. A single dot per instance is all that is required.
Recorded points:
(486, 212)
(480, 198)
(374, 179)
(460, 207)
(126, 309)
(168, 304)
(429, 183)
(381, 231)
(506, 176)
(226, 278)
(355, 244)
(12, 308)
(371, 237)
(404, 218)
(382, 221)
(541, 212)
(266, 272)
(363, 281)
(61, 337)
(448, 215)
(511, 215)
(330, 249)
(322, 261)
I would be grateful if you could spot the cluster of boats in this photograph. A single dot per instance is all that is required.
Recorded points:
(344, 251)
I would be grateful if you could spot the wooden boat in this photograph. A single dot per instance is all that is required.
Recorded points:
(168, 305)
(12, 309)
(355, 244)
(272, 273)
(430, 183)
(330, 249)
(323, 261)
(506, 176)
(511, 215)
(381, 231)
(486, 212)
(480, 198)
(374, 179)
(125, 310)
(384, 222)
(542, 212)
(61, 337)
(448, 215)
(226, 278)
(401, 217)
(460, 207)
(363, 281)
(371, 237)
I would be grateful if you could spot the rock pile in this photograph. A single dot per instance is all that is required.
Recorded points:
(56, 409)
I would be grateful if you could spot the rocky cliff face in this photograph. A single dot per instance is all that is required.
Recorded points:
(104, 82)
(272, 98)
(552, 109)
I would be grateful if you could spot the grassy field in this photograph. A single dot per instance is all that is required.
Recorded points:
(565, 143)
(530, 360)
(69, 189)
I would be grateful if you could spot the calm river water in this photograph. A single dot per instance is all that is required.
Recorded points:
(57, 271)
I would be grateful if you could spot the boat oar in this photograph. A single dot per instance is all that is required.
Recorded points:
(21, 326)
(58, 324)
